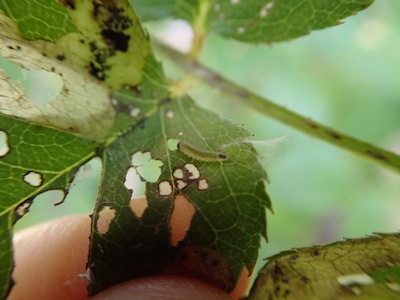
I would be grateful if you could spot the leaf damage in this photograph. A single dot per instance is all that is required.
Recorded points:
(209, 188)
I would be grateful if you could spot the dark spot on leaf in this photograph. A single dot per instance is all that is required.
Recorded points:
(10, 47)
(305, 279)
(96, 71)
(135, 88)
(293, 258)
(60, 57)
(316, 251)
(19, 48)
(164, 101)
(222, 156)
(117, 39)
(278, 274)
(73, 129)
(333, 134)
(277, 290)
(53, 69)
(376, 155)
(98, 66)
(111, 16)
(68, 3)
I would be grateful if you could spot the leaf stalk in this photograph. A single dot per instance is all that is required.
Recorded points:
(265, 106)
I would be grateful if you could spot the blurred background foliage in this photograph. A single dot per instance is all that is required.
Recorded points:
(347, 77)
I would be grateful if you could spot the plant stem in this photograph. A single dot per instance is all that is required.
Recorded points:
(262, 105)
(199, 29)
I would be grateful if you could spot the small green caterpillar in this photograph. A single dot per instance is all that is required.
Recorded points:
(200, 154)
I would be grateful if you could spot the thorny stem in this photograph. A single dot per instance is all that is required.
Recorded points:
(199, 29)
(383, 157)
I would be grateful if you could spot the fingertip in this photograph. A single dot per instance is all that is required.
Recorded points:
(49, 258)
(163, 288)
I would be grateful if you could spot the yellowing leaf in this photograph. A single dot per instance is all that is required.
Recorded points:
(351, 269)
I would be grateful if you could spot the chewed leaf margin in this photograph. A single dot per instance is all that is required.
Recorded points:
(352, 269)
(36, 159)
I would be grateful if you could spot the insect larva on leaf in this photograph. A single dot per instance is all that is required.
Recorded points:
(200, 154)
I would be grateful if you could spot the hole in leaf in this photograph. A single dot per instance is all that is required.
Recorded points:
(106, 215)
(39, 86)
(41, 209)
(193, 170)
(164, 188)
(81, 197)
(181, 184)
(23, 208)
(149, 169)
(33, 178)
(178, 173)
(181, 218)
(172, 144)
(203, 185)
(134, 183)
(139, 205)
(4, 147)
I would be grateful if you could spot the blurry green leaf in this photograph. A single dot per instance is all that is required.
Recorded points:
(159, 9)
(228, 197)
(345, 270)
(33, 159)
(278, 20)
(256, 21)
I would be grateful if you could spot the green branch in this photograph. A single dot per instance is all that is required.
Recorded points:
(262, 105)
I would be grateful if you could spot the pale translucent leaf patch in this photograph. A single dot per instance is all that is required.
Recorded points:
(82, 106)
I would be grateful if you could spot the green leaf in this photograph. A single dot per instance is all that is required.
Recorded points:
(390, 276)
(228, 198)
(160, 9)
(74, 58)
(110, 45)
(256, 21)
(355, 269)
(39, 19)
(33, 159)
